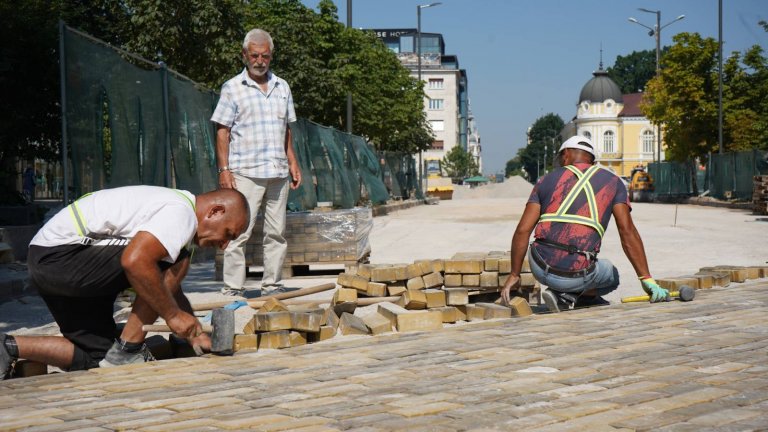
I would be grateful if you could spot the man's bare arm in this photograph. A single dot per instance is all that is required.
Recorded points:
(226, 179)
(520, 246)
(630, 239)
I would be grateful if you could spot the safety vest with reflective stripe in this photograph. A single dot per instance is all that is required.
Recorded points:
(79, 219)
(561, 215)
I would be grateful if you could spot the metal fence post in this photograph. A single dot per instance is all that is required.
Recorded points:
(63, 92)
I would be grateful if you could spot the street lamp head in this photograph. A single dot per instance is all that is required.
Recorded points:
(631, 19)
(429, 5)
(680, 17)
(648, 10)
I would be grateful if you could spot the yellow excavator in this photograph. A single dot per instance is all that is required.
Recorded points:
(437, 185)
(640, 185)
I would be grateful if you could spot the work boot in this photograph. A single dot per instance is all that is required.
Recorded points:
(117, 356)
(557, 301)
(6, 360)
(589, 301)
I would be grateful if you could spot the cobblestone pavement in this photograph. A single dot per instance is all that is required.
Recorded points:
(675, 366)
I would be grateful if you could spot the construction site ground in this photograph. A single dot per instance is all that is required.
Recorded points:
(697, 366)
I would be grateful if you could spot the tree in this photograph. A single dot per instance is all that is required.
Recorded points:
(632, 72)
(514, 167)
(543, 141)
(459, 164)
(684, 98)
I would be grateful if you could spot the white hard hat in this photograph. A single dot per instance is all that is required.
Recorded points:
(579, 142)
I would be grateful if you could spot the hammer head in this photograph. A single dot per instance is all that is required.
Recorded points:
(223, 334)
(687, 293)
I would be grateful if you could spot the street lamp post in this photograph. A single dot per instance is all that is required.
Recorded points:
(656, 32)
(418, 71)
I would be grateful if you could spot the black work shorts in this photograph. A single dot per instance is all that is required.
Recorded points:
(79, 284)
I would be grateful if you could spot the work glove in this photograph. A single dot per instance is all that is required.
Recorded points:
(654, 291)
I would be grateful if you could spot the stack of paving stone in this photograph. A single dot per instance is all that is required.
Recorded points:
(318, 237)
(760, 194)
(714, 276)
(476, 271)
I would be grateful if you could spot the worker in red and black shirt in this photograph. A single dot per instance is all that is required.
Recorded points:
(570, 209)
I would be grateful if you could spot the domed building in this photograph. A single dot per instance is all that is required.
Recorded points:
(624, 137)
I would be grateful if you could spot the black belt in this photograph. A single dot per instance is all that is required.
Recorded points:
(559, 272)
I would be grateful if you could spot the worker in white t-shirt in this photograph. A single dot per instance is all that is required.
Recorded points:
(106, 242)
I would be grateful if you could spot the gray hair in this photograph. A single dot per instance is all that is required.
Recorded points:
(257, 36)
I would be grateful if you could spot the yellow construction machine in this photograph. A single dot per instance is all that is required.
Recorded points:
(640, 185)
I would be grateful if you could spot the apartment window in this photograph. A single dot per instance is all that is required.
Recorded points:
(437, 125)
(435, 83)
(436, 104)
(608, 142)
(437, 144)
(648, 139)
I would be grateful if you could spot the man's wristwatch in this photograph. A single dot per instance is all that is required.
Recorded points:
(222, 169)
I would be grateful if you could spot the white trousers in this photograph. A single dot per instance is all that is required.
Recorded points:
(273, 194)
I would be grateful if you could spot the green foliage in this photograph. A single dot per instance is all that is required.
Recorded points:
(632, 72)
(459, 164)
(684, 98)
(514, 167)
(543, 141)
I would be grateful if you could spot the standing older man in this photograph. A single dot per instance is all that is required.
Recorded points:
(570, 208)
(106, 242)
(255, 155)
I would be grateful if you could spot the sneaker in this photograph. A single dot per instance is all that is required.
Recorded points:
(116, 356)
(233, 292)
(6, 361)
(589, 301)
(557, 301)
(272, 290)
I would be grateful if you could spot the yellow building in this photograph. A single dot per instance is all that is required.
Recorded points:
(623, 136)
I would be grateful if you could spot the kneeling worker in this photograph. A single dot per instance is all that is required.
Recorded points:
(570, 209)
(106, 242)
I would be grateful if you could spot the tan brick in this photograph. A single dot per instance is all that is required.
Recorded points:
(245, 342)
(438, 266)
(491, 264)
(376, 289)
(344, 295)
(463, 266)
(432, 280)
(527, 280)
(472, 312)
(396, 289)
(489, 279)
(493, 310)
(275, 339)
(306, 321)
(330, 318)
(704, 281)
(353, 281)
(450, 314)
(407, 320)
(416, 283)
(377, 324)
(674, 284)
(470, 280)
(413, 299)
(326, 332)
(738, 274)
(452, 280)
(505, 265)
(271, 321)
(520, 307)
(383, 273)
(413, 271)
(298, 338)
(350, 324)
(425, 266)
(720, 279)
(435, 298)
(273, 305)
(456, 296)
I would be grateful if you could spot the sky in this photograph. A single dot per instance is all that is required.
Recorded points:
(525, 58)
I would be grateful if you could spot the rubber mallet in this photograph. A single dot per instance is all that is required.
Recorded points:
(222, 330)
(686, 293)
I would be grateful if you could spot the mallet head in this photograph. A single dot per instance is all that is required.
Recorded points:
(687, 293)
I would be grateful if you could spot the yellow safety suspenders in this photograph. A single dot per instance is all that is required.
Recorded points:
(79, 220)
(582, 184)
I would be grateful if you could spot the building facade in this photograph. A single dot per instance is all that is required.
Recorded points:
(446, 89)
(624, 137)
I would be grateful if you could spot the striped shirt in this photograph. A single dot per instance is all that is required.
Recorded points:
(258, 121)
